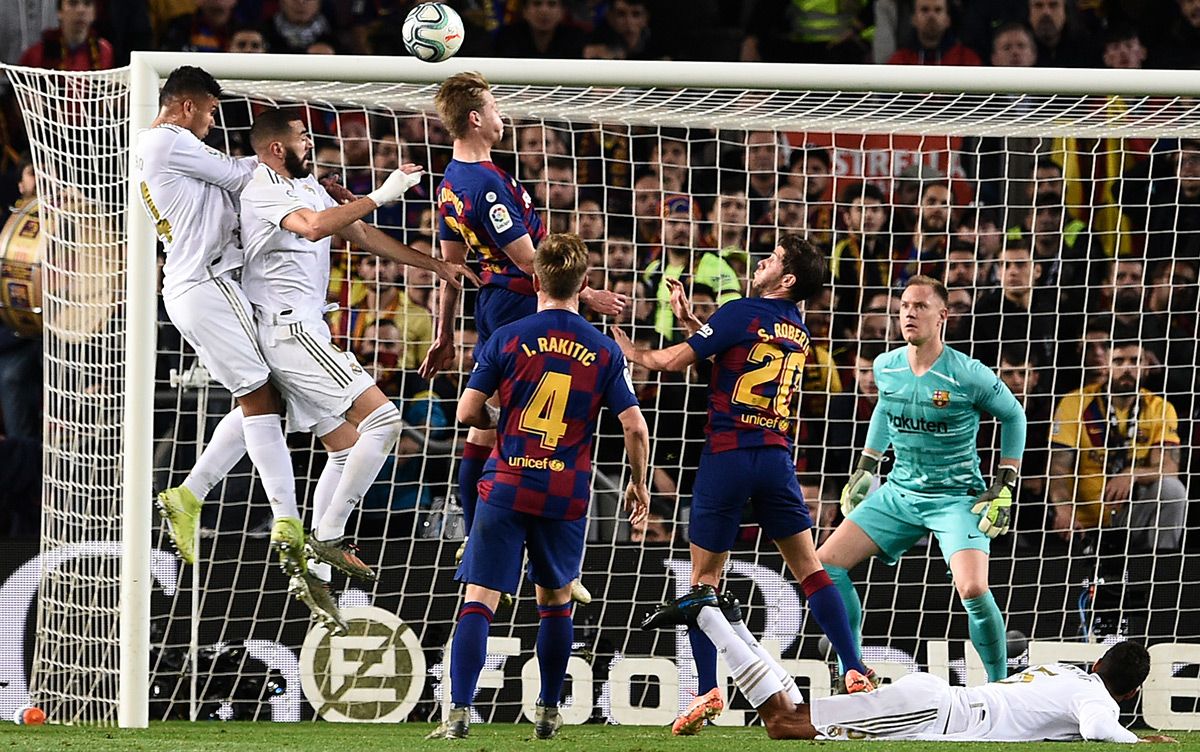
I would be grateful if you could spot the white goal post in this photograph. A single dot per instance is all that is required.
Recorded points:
(884, 101)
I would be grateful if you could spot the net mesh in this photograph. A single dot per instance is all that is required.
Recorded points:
(1099, 191)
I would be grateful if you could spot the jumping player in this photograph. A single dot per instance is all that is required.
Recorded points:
(930, 400)
(759, 346)
(553, 371)
(483, 209)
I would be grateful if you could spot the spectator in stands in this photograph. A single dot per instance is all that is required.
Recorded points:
(1019, 311)
(589, 218)
(1014, 46)
(935, 42)
(764, 160)
(413, 310)
(246, 39)
(1062, 42)
(536, 142)
(1060, 252)
(656, 527)
(811, 170)
(732, 217)
(906, 194)
(557, 193)
(1115, 460)
(1123, 48)
(543, 32)
(620, 257)
(625, 34)
(1020, 372)
(1049, 185)
(874, 325)
(824, 31)
(850, 414)
(1180, 47)
(638, 316)
(925, 250)
(790, 212)
(1169, 187)
(860, 263)
(1171, 307)
(209, 29)
(962, 268)
(647, 203)
(704, 302)
(959, 320)
(689, 256)
(296, 26)
(74, 45)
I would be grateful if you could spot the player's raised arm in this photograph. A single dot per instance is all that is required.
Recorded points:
(378, 242)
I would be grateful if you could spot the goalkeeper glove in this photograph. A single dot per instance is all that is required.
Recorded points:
(995, 504)
(394, 186)
(859, 484)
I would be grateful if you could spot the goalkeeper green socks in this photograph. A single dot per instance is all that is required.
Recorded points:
(987, 634)
(846, 589)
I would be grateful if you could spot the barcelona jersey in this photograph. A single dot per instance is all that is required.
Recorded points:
(760, 347)
(482, 206)
(553, 371)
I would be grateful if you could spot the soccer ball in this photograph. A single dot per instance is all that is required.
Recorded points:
(432, 32)
(29, 716)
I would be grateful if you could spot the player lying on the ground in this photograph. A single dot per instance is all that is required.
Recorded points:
(759, 346)
(288, 220)
(1055, 702)
(931, 398)
(553, 371)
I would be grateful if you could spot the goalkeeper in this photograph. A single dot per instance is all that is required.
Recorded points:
(930, 400)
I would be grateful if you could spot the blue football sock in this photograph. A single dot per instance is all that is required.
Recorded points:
(470, 469)
(829, 608)
(556, 631)
(468, 651)
(705, 655)
(986, 625)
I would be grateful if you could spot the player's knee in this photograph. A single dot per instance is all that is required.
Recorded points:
(971, 589)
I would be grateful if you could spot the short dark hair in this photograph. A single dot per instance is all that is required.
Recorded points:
(938, 288)
(699, 288)
(1046, 163)
(863, 191)
(803, 261)
(870, 350)
(1018, 354)
(188, 81)
(1124, 667)
(271, 125)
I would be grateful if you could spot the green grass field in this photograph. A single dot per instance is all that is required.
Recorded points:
(336, 737)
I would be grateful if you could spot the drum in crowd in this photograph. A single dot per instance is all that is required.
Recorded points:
(22, 250)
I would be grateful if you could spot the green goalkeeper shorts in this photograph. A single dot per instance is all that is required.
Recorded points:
(896, 519)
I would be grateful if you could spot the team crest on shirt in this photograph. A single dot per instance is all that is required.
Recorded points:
(500, 217)
(941, 398)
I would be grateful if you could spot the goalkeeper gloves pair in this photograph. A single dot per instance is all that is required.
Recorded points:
(994, 505)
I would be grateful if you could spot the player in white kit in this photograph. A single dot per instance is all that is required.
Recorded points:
(190, 192)
(288, 220)
(1055, 702)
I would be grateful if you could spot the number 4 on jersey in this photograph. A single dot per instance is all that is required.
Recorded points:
(543, 416)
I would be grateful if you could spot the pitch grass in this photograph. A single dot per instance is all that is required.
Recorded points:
(340, 737)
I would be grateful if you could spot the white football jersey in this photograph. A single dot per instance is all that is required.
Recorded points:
(1055, 702)
(190, 191)
(283, 271)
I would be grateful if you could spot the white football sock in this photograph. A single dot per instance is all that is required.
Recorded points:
(269, 453)
(327, 484)
(753, 676)
(785, 678)
(224, 450)
(377, 435)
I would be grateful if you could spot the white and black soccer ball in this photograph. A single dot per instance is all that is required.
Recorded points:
(433, 32)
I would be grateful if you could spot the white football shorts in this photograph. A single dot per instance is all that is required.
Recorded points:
(217, 320)
(916, 705)
(317, 380)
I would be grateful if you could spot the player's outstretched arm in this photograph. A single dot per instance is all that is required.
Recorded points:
(474, 411)
(674, 358)
(318, 225)
(637, 447)
(441, 352)
(381, 244)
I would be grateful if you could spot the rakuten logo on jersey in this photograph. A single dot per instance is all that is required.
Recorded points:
(917, 425)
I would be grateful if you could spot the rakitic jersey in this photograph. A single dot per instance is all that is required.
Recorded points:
(190, 191)
(932, 420)
(283, 271)
(553, 371)
(1056, 702)
(761, 345)
(482, 206)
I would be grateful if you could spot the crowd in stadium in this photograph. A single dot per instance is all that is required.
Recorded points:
(1053, 280)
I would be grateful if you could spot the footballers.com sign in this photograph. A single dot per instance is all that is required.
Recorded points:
(383, 671)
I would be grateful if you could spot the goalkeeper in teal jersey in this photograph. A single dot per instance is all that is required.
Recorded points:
(930, 400)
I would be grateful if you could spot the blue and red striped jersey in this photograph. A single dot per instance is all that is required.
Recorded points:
(761, 345)
(481, 205)
(553, 371)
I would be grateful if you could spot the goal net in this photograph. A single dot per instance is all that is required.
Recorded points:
(1066, 226)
